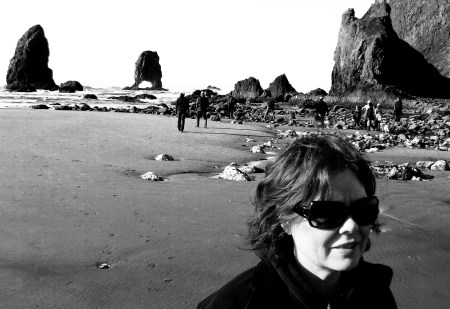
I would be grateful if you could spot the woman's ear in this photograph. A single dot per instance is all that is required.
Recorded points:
(286, 226)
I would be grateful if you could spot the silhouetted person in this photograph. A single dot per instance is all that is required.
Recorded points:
(321, 109)
(378, 117)
(202, 105)
(270, 108)
(398, 109)
(230, 105)
(369, 116)
(181, 109)
(357, 116)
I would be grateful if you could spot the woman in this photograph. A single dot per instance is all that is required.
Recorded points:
(357, 116)
(314, 211)
(369, 116)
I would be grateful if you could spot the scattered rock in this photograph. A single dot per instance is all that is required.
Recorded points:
(90, 97)
(151, 176)
(233, 173)
(70, 86)
(164, 157)
(440, 165)
(257, 149)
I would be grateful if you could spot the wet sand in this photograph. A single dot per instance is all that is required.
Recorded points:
(72, 199)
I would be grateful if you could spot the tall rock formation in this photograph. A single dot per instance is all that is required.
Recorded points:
(370, 57)
(29, 66)
(148, 69)
(425, 25)
(247, 88)
(280, 86)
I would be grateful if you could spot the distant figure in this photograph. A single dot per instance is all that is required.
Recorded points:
(357, 116)
(202, 105)
(369, 116)
(378, 117)
(365, 107)
(398, 109)
(321, 109)
(230, 104)
(181, 109)
(270, 108)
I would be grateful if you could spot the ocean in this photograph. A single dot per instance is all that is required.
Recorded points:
(54, 98)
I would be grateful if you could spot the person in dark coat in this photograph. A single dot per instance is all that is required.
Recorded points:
(231, 102)
(313, 214)
(202, 105)
(357, 116)
(398, 109)
(321, 109)
(181, 109)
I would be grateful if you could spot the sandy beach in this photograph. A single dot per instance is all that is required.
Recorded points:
(72, 199)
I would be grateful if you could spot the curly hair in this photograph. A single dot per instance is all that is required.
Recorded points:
(300, 174)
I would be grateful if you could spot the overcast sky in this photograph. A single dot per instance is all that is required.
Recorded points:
(199, 42)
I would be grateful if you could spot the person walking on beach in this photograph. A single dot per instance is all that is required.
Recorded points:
(378, 117)
(313, 216)
(369, 116)
(270, 108)
(181, 109)
(398, 109)
(357, 116)
(202, 105)
(230, 105)
(321, 109)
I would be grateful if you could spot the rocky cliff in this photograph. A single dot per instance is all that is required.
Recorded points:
(247, 88)
(425, 25)
(370, 57)
(280, 86)
(29, 65)
(148, 69)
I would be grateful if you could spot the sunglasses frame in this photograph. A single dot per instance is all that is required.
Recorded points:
(305, 212)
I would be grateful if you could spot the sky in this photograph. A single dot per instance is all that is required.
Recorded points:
(200, 43)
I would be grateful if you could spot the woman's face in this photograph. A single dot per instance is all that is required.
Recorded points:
(324, 252)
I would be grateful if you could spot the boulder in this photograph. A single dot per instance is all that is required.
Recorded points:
(148, 69)
(280, 86)
(70, 86)
(249, 88)
(371, 58)
(29, 65)
(440, 165)
(164, 157)
(90, 97)
(151, 176)
(233, 173)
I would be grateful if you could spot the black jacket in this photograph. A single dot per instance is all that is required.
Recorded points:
(202, 104)
(182, 105)
(366, 286)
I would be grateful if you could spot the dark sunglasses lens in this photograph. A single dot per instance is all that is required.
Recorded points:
(327, 214)
(365, 212)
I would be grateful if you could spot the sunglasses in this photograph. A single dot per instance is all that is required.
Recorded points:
(331, 214)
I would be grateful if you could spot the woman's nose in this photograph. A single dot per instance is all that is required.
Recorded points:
(349, 226)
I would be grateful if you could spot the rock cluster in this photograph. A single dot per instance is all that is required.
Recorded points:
(280, 87)
(28, 69)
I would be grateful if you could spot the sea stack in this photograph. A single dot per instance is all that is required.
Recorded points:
(280, 86)
(370, 58)
(28, 70)
(148, 69)
(247, 88)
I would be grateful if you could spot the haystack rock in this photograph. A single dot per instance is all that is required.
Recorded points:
(280, 86)
(371, 58)
(148, 69)
(28, 69)
(247, 88)
(425, 25)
